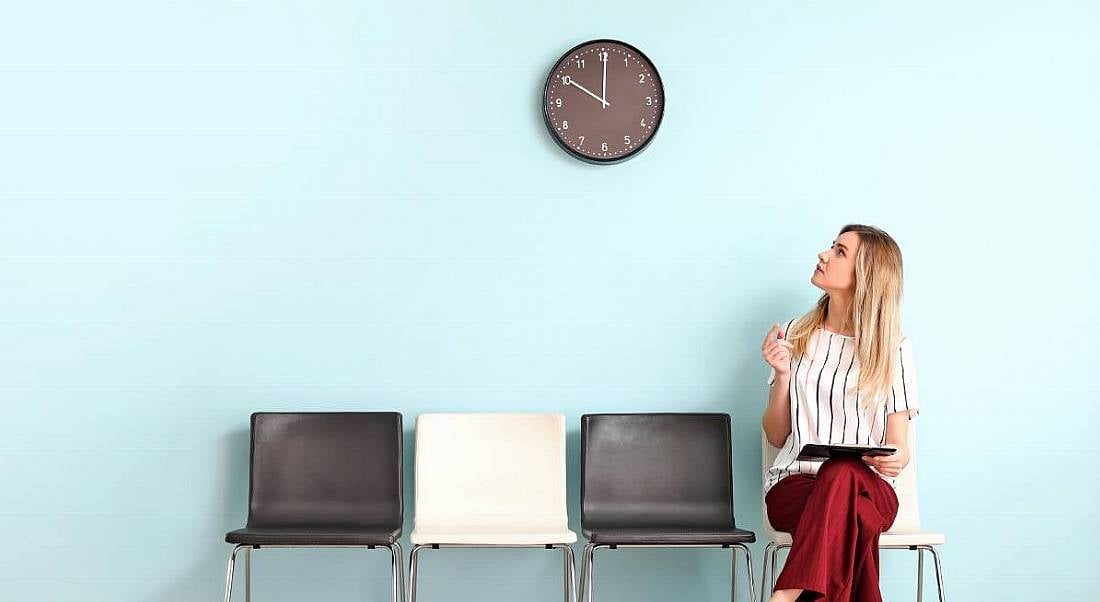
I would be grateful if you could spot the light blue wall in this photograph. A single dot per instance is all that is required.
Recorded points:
(210, 208)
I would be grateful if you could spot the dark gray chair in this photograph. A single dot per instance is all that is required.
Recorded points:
(658, 480)
(323, 479)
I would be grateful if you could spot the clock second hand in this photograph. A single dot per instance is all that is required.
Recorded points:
(588, 92)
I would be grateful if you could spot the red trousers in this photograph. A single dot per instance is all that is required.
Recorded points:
(835, 519)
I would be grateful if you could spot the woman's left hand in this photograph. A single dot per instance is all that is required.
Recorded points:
(891, 465)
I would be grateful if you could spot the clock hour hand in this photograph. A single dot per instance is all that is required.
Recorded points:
(588, 92)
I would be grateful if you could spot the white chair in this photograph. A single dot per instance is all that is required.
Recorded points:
(904, 534)
(491, 481)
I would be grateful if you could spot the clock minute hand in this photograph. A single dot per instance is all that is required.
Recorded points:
(588, 92)
(603, 98)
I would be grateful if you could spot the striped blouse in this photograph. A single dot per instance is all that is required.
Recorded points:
(826, 406)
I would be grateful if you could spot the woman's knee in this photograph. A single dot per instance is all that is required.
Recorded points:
(844, 466)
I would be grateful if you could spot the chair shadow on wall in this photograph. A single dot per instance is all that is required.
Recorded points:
(743, 394)
(205, 576)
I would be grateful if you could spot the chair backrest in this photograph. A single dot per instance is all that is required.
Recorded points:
(326, 469)
(908, 518)
(479, 470)
(656, 470)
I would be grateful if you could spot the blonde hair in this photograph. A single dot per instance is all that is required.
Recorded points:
(875, 313)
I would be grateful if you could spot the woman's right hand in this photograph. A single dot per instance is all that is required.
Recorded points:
(777, 351)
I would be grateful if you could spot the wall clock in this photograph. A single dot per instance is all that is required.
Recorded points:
(603, 101)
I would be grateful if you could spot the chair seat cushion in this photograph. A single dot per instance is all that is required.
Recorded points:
(917, 538)
(888, 539)
(670, 536)
(307, 536)
(491, 537)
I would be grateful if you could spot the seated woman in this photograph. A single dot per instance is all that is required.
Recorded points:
(841, 374)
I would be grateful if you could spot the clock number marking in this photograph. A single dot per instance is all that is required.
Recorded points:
(626, 140)
(582, 141)
(565, 125)
(604, 147)
(641, 78)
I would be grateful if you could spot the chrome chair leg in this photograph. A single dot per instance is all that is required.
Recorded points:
(748, 571)
(401, 572)
(229, 571)
(570, 573)
(920, 574)
(775, 565)
(939, 570)
(582, 588)
(733, 574)
(397, 572)
(590, 567)
(393, 574)
(768, 549)
(248, 574)
(414, 558)
(749, 568)
(764, 571)
(565, 568)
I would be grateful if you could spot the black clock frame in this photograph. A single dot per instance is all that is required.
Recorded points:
(571, 150)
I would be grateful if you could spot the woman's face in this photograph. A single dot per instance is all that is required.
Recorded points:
(836, 266)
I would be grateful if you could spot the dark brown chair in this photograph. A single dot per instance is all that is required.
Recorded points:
(323, 479)
(658, 480)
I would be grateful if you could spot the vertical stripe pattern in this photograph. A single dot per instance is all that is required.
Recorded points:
(826, 405)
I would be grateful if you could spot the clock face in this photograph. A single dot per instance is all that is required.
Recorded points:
(603, 101)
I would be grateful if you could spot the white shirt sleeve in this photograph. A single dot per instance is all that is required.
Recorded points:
(904, 396)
